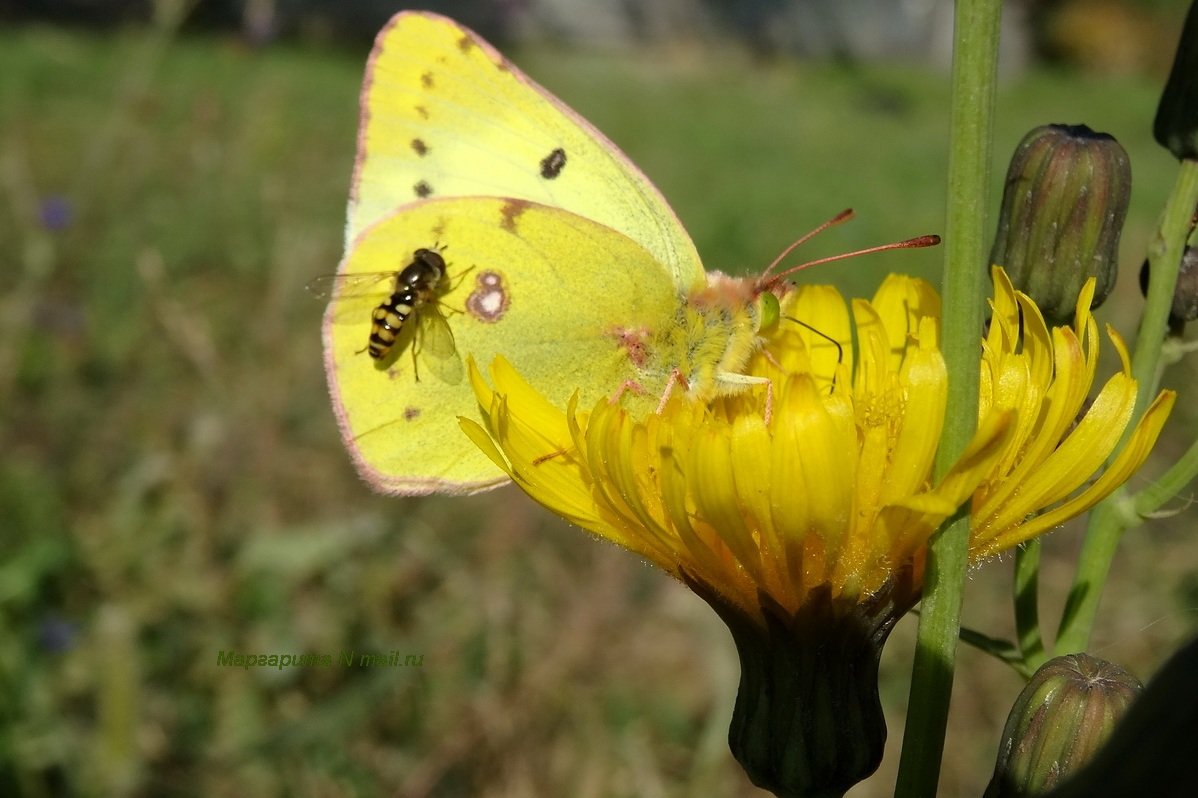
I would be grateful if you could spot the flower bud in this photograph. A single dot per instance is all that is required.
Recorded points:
(1151, 753)
(1062, 717)
(1185, 295)
(1063, 207)
(1176, 125)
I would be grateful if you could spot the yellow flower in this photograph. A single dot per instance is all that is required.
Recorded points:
(1058, 444)
(824, 483)
(800, 506)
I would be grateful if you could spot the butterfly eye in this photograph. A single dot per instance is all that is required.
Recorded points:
(769, 311)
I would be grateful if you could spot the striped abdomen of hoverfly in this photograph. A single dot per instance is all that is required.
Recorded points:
(414, 286)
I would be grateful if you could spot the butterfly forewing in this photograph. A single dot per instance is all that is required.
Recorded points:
(446, 115)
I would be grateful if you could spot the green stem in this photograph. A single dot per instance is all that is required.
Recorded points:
(1027, 611)
(1169, 484)
(1164, 257)
(1111, 516)
(975, 58)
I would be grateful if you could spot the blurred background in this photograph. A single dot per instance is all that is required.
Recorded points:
(172, 485)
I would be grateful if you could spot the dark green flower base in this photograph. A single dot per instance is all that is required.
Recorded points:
(808, 720)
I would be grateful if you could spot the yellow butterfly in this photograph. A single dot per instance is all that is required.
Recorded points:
(558, 253)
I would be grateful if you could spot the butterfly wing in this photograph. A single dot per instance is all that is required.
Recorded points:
(558, 294)
(443, 115)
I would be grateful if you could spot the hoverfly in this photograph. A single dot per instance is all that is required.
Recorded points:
(414, 293)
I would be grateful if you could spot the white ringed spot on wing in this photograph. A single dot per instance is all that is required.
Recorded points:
(490, 299)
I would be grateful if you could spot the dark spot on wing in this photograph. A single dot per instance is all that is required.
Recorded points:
(421, 111)
(553, 164)
(422, 189)
(419, 147)
(411, 413)
(510, 211)
(426, 80)
(465, 44)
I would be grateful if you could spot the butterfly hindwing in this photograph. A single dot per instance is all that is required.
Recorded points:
(531, 282)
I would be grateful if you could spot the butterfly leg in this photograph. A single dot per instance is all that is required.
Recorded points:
(769, 357)
(628, 386)
(730, 383)
(676, 379)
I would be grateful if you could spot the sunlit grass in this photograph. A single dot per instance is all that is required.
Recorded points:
(172, 484)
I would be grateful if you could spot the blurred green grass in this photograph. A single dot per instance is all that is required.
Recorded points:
(172, 483)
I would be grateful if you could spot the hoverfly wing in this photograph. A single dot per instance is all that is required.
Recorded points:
(436, 336)
(437, 350)
(354, 295)
(347, 285)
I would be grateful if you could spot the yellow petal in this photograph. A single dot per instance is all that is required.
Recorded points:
(926, 379)
(1129, 459)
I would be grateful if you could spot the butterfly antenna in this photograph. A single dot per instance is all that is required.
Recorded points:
(919, 242)
(839, 218)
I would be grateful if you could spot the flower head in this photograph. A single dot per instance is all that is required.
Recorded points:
(830, 489)
(800, 508)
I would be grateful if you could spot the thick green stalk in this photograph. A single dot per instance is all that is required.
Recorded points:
(1111, 517)
(975, 59)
